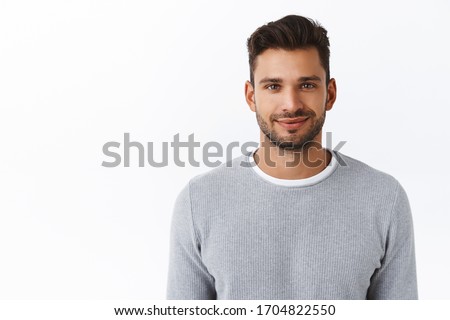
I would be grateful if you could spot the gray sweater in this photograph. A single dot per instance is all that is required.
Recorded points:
(236, 235)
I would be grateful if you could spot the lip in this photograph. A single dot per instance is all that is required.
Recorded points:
(292, 123)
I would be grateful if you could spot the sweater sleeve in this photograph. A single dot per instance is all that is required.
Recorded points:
(188, 277)
(396, 278)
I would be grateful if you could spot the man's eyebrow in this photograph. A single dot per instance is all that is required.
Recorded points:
(279, 80)
(270, 80)
(310, 78)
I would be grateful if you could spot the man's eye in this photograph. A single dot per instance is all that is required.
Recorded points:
(272, 86)
(307, 86)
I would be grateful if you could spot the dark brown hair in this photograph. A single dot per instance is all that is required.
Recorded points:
(290, 33)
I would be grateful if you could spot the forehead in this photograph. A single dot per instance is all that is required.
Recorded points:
(288, 63)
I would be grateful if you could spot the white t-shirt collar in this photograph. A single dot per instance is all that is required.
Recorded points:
(295, 182)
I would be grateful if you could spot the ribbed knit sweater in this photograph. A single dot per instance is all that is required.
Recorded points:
(348, 235)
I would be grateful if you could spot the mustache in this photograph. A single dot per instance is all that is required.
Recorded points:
(296, 114)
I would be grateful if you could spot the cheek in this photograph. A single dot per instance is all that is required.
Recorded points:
(265, 107)
(266, 114)
(273, 100)
(314, 99)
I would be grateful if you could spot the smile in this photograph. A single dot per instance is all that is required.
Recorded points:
(291, 123)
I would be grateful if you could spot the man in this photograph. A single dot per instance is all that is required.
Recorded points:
(292, 220)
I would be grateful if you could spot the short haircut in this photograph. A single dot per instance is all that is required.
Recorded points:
(289, 33)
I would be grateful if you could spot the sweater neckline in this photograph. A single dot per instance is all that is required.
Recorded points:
(324, 174)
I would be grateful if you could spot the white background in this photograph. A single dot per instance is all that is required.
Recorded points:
(77, 74)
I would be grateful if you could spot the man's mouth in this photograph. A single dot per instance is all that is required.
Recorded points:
(292, 123)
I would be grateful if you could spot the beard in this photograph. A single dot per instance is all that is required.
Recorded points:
(293, 141)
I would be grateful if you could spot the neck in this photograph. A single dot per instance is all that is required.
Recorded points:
(292, 164)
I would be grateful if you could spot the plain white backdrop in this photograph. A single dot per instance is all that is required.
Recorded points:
(77, 74)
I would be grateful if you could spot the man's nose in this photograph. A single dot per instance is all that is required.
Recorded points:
(292, 100)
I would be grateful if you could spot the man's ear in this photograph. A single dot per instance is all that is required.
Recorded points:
(331, 94)
(250, 95)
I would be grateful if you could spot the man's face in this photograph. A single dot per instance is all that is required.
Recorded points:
(290, 96)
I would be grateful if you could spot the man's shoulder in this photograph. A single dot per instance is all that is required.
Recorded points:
(226, 171)
(362, 172)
